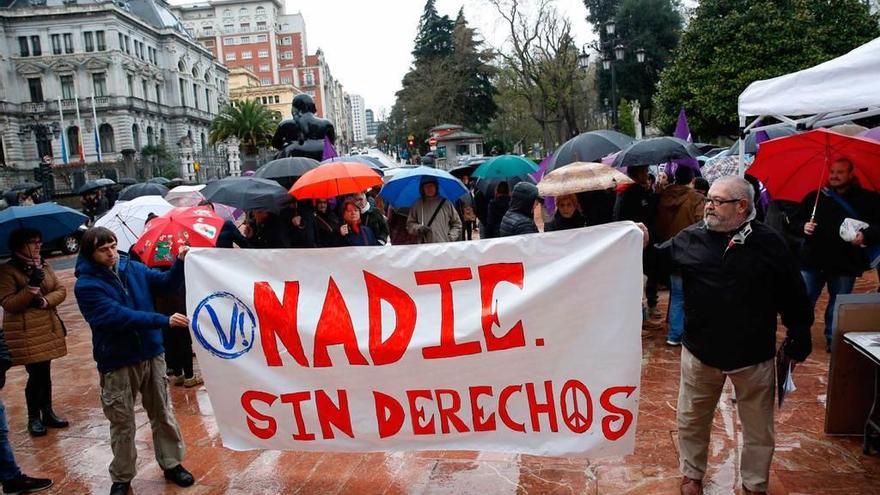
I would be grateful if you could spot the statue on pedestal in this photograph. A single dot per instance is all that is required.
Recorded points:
(304, 134)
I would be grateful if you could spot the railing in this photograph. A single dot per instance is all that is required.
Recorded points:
(33, 107)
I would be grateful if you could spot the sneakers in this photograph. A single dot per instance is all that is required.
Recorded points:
(673, 343)
(195, 381)
(690, 486)
(119, 488)
(25, 484)
(179, 476)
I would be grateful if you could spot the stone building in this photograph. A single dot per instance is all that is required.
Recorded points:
(111, 77)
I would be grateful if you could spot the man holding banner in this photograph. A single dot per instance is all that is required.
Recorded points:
(737, 275)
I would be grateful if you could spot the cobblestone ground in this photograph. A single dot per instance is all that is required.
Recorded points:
(806, 461)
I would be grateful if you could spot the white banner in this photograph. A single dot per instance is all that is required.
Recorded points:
(524, 344)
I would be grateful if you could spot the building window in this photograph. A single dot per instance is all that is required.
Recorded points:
(136, 136)
(150, 140)
(242, 11)
(209, 43)
(228, 28)
(261, 26)
(100, 41)
(144, 88)
(266, 81)
(230, 56)
(245, 27)
(265, 68)
(130, 81)
(68, 43)
(35, 46)
(245, 40)
(310, 79)
(121, 42)
(128, 45)
(66, 87)
(105, 133)
(158, 94)
(246, 55)
(208, 99)
(99, 83)
(72, 141)
(249, 67)
(228, 41)
(227, 13)
(286, 40)
(88, 41)
(285, 80)
(263, 53)
(196, 95)
(208, 31)
(261, 11)
(182, 88)
(56, 44)
(277, 99)
(23, 49)
(287, 55)
(35, 86)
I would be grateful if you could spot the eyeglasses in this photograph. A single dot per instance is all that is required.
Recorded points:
(718, 201)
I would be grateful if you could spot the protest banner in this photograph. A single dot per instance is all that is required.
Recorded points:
(526, 344)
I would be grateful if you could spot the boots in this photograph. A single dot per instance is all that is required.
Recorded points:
(35, 427)
(53, 421)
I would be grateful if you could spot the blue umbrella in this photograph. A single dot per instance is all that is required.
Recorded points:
(403, 189)
(51, 219)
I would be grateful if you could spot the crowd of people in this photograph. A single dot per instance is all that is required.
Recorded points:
(725, 256)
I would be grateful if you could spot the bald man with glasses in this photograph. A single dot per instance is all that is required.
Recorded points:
(737, 275)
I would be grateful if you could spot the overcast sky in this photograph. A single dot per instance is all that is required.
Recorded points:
(368, 43)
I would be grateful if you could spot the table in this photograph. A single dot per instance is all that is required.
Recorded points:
(868, 344)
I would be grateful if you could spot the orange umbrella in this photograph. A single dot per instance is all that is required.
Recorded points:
(335, 179)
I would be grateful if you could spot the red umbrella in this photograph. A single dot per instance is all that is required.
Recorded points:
(335, 179)
(792, 166)
(195, 226)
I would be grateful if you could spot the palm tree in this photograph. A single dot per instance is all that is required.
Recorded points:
(249, 120)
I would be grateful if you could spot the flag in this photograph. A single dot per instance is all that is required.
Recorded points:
(549, 201)
(79, 131)
(329, 150)
(63, 133)
(95, 128)
(681, 128)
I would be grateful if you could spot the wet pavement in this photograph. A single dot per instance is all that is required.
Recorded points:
(806, 461)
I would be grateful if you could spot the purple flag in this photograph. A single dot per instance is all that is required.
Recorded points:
(549, 202)
(681, 128)
(329, 150)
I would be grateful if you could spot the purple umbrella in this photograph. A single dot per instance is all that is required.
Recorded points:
(549, 203)
(873, 133)
(329, 150)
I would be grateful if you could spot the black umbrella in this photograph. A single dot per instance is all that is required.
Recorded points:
(589, 147)
(655, 150)
(286, 167)
(369, 161)
(126, 181)
(95, 184)
(752, 138)
(462, 170)
(488, 186)
(247, 193)
(159, 180)
(142, 189)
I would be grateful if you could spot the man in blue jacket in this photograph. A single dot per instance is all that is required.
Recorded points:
(115, 296)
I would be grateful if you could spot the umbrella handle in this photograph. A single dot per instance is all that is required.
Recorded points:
(815, 205)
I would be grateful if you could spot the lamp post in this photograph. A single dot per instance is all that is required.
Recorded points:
(613, 51)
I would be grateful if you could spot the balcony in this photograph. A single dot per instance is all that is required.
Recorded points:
(31, 107)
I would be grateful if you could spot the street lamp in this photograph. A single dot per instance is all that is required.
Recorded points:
(613, 50)
(640, 55)
(584, 58)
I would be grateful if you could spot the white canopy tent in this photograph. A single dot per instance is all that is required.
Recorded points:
(839, 90)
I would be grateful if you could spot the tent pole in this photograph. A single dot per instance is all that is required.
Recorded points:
(742, 146)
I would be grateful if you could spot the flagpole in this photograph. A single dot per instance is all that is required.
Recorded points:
(82, 151)
(95, 128)
(63, 132)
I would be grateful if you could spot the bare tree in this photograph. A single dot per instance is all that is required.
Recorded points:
(541, 51)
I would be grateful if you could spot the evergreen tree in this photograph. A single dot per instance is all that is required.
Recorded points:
(434, 37)
(731, 43)
(470, 66)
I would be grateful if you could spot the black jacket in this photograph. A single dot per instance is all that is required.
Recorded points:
(561, 223)
(327, 228)
(229, 235)
(519, 218)
(734, 286)
(378, 224)
(637, 204)
(825, 250)
(495, 212)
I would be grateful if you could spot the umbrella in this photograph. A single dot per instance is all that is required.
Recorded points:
(488, 186)
(335, 179)
(404, 188)
(655, 150)
(51, 219)
(142, 189)
(589, 147)
(581, 177)
(95, 184)
(196, 226)
(369, 161)
(247, 193)
(873, 133)
(462, 170)
(505, 166)
(790, 167)
(25, 186)
(159, 180)
(126, 218)
(185, 195)
(722, 167)
(752, 140)
(849, 129)
(286, 167)
(126, 181)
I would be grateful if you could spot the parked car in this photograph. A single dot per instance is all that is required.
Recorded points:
(68, 244)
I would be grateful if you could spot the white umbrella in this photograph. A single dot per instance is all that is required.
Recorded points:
(581, 177)
(126, 219)
(185, 195)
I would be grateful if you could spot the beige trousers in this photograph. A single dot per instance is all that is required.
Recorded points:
(119, 389)
(698, 396)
